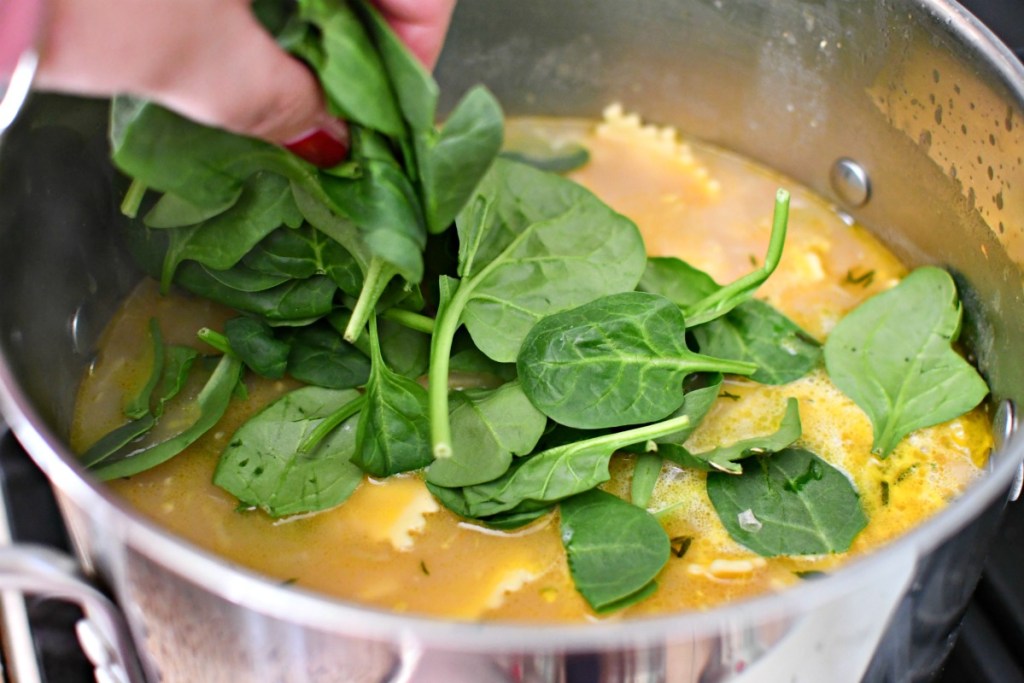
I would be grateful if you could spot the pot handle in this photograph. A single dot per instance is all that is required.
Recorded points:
(102, 632)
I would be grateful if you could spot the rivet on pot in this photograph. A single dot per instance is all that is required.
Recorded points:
(850, 182)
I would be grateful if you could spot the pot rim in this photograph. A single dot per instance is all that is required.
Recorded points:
(268, 596)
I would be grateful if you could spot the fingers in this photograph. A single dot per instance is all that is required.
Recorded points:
(421, 24)
(209, 60)
(238, 78)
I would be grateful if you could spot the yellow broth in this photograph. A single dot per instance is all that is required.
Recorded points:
(392, 545)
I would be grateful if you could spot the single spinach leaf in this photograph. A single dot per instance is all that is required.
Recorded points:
(562, 161)
(615, 549)
(515, 519)
(339, 228)
(246, 280)
(302, 253)
(617, 360)
(677, 281)
(350, 68)
(414, 87)
(254, 342)
(406, 351)
(646, 472)
(558, 472)
(756, 332)
(790, 503)
(139, 405)
(264, 467)
(221, 241)
(203, 166)
(383, 203)
(452, 161)
(293, 300)
(893, 356)
(178, 361)
(488, 428)
(726, 458)
(319, 356)
(171, 211)
(531, 244)
(211, 404)
(117, 439)
(394, 432)
(466, 358)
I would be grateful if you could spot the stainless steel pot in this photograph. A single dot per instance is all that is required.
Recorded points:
(907, 113)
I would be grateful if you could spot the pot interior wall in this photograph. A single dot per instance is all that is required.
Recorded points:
(797, 86)
(62, 267)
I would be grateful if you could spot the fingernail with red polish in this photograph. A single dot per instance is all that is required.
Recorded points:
(323, 147)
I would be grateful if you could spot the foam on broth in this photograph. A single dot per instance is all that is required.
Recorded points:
(392, 545)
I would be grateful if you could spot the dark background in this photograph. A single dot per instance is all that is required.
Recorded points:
(990, 648)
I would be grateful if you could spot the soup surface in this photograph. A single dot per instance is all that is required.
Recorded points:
(392, 545)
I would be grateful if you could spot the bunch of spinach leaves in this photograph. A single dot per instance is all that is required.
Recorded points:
(457, 260)
(364, 223)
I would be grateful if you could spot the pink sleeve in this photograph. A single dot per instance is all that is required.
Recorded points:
(19, 26)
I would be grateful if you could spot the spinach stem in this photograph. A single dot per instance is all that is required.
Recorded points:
(378, 275)
(330, 423)
(133, 198)
(660, 514)
(215, 339)
(629, 437)
(738, 291)
(449, 317)
(410, 319)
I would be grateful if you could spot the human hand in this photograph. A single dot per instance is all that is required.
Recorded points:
(209, 60)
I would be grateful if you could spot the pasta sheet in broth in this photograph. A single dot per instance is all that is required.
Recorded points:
(392, 545)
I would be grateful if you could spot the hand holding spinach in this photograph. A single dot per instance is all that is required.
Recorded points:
(404, 178)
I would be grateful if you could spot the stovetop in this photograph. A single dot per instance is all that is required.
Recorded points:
(33, 517)
(990, 648)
